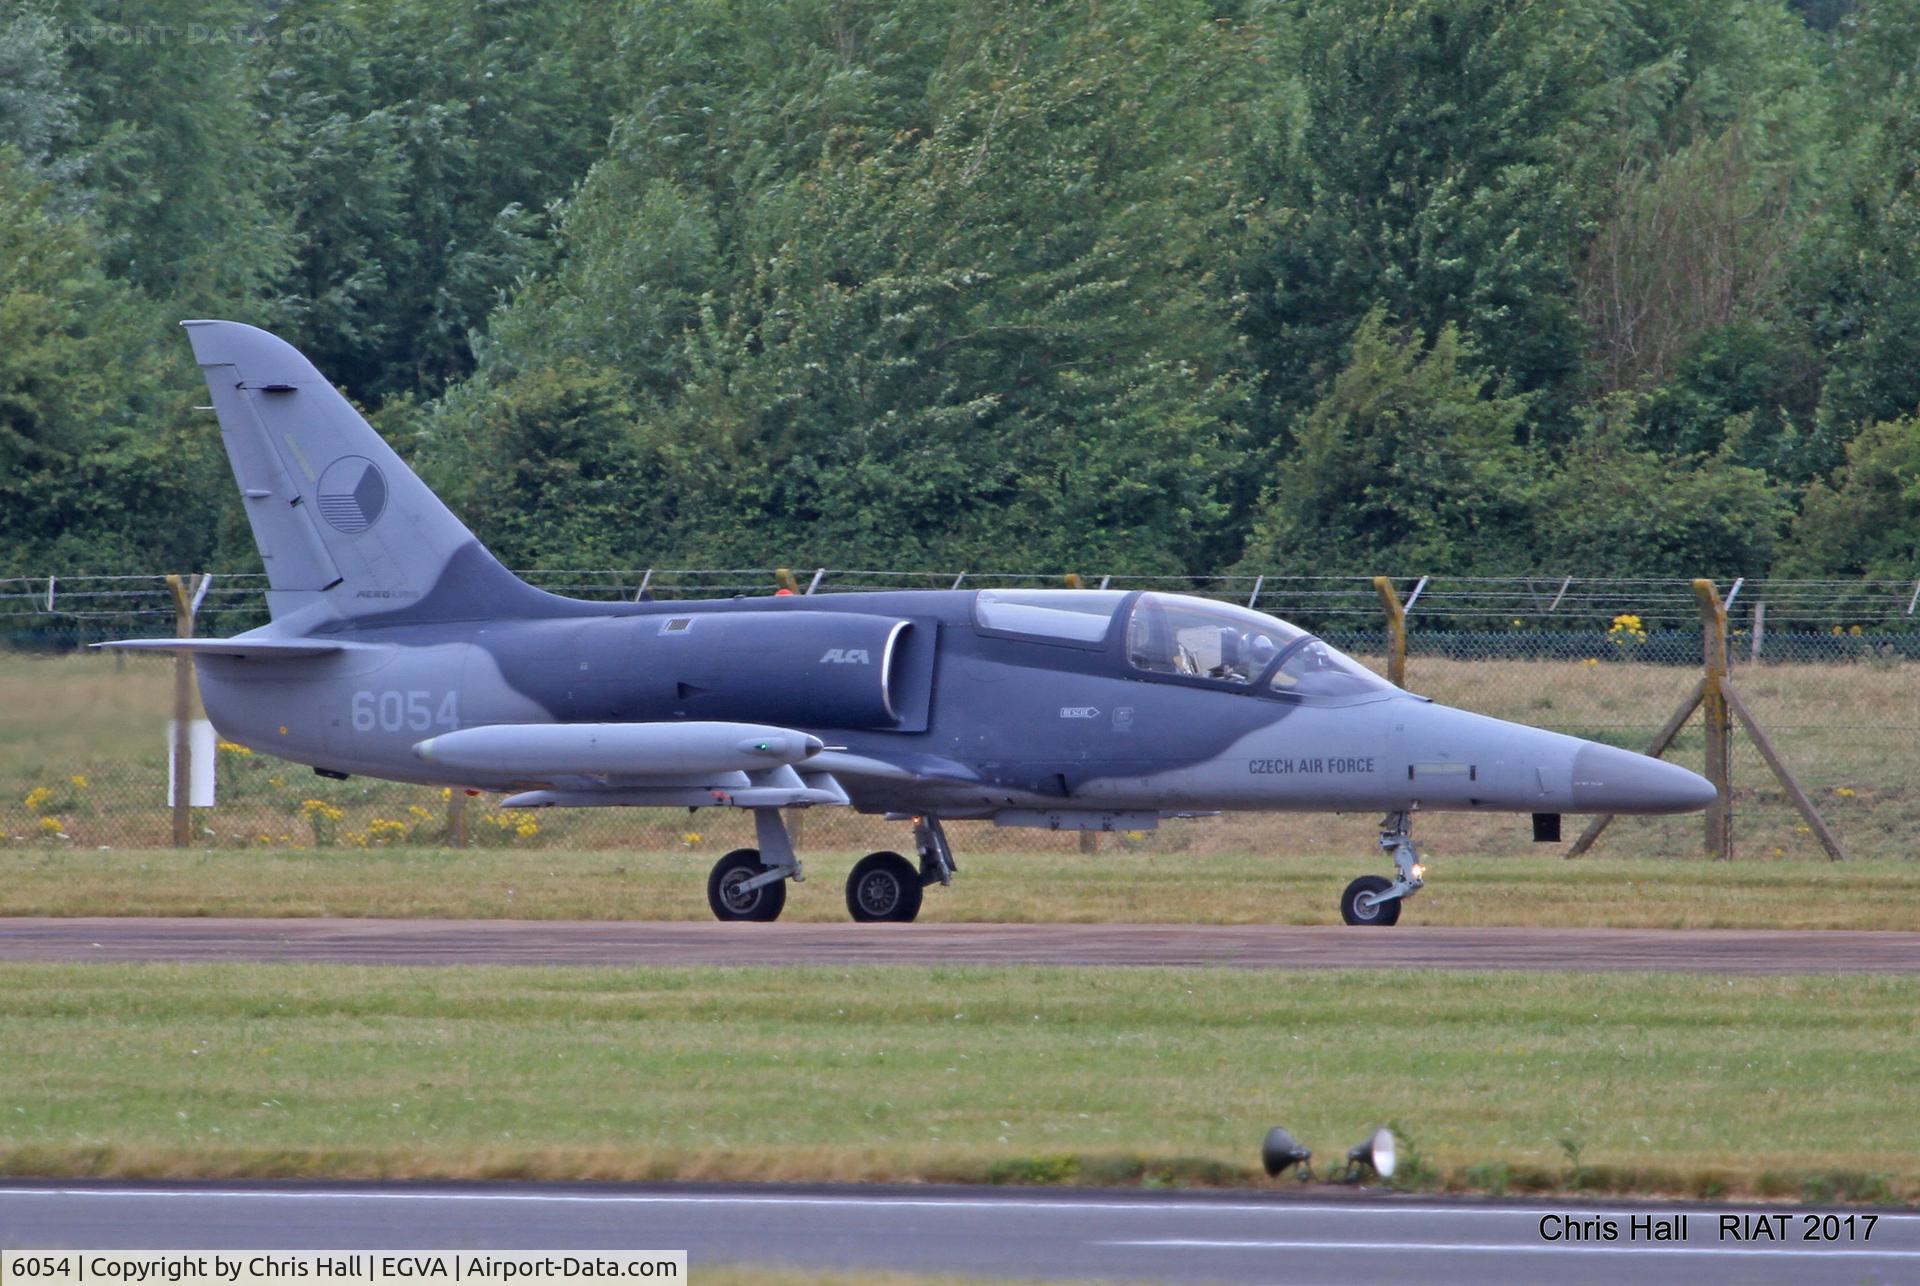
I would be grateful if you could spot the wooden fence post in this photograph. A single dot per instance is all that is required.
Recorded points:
(182, 715)
(1396, 631)
(1719, 721)
(457, 819)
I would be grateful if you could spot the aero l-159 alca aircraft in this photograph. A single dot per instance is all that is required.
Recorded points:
(400, 648)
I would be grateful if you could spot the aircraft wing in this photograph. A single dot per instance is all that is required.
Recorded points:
(248, 649)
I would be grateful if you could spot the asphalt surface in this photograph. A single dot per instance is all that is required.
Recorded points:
(611, 942)
(993, 1232)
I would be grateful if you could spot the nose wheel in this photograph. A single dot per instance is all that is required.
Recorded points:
(1362, 904)
(1375, 899)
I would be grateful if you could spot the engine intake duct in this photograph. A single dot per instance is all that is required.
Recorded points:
(812, 669)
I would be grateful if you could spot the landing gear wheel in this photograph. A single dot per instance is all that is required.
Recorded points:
(727, 899)
(1354, 911)
(883, 886)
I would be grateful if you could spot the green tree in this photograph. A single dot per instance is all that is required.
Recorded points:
(1858, 278)
(1613, 506)
(422, 143)
(1865, 520)
(100, 467)
(547, 466)
(1407, 463)
(1432, 172)
(982, 334)
(36, 105)
(176, 166)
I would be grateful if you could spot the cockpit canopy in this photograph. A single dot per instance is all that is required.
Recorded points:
(1194, 638)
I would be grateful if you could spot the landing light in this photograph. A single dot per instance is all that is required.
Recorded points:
(1419, 870)
(1282, 1150)
(1375, 1153)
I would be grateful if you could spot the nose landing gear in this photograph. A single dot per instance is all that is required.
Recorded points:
(1374, 899)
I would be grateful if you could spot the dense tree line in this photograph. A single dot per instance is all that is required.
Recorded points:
(1466, 286)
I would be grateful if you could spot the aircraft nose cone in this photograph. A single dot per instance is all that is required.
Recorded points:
(1607, 779)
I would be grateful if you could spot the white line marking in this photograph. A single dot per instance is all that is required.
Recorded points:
(772, 1199)
(1480, 1247)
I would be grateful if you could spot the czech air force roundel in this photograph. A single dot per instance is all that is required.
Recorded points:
(352, 494)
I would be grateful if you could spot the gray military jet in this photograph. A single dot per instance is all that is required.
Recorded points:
(400, 648)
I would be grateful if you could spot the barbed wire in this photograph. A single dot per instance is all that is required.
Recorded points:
(1455, 602)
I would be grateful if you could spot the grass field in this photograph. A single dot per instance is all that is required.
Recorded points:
(1174, 888)
(83, 765)
(1631, 1083)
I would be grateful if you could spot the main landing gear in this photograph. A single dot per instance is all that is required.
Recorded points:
(1374, 899)
(751, 883)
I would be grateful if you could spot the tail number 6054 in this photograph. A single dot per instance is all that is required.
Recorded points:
(414, 710)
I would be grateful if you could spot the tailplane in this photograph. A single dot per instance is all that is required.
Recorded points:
(347, 531)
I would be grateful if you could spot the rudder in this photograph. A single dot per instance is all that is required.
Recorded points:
(344, 527)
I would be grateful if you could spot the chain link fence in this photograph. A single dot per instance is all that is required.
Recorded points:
(1829, 668)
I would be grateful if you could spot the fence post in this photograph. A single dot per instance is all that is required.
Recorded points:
(1396, 631)
(457, 819)
(182, 715)
(1719, 722)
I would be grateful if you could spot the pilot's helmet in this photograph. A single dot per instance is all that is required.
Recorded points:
(1260, 651)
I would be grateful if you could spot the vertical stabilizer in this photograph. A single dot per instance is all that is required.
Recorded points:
(340, 520)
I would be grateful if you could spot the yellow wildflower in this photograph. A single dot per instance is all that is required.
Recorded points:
(1845, 792)
(79, 781)
(385, 830)
(690, 839)
(51, 825)
(37, 797)
(234, 748)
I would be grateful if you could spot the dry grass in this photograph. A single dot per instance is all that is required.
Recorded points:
(993, 887)
(1657, 1083)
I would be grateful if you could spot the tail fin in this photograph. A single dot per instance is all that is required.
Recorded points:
(345, 528)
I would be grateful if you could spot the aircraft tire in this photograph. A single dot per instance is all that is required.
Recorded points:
(883, 886)
(1384, 914)
(763, 903)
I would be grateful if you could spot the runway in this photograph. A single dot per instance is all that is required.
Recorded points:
(612, 942)
(993, 1232)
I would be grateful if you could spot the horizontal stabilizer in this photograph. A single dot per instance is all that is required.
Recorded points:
(540, 750)
(248, 649)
